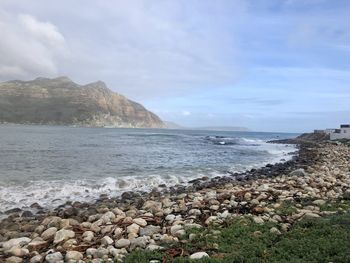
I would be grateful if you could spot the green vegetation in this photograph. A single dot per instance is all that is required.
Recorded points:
(343, 205)
(319, 240)
(286, 209)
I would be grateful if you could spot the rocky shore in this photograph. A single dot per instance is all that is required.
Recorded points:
(111, 228)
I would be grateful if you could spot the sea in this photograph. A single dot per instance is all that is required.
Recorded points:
(50, 165)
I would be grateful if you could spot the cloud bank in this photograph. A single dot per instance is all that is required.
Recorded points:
(28, 47)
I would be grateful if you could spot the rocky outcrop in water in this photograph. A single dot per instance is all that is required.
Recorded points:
(60, 101)
(306, 138)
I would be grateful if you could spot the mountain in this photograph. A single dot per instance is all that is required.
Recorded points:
(63, 102)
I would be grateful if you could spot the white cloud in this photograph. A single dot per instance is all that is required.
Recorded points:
(45, 32)
(28, 47)
(141, 48)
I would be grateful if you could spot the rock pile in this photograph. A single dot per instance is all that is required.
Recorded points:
(110, 229)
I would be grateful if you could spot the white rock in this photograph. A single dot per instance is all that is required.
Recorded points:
(140, 221)
(107, 217)
(153, 247)
(258, 220)
(118, 211)
(192, 236)
(17, 251)
(22, 241)
(122, 243)
(88, 236)
(263, 188)
(91, 251)
(152, 206)
(210, 195)
(133, 228)
(214, 207)
(199, 255)
(14, 259)
(36, 259)
(107, 229)
(49, 233)
(275, 230)
(106, 240)
(139, 242)
(195, 212)
(150, 230)
(74, 255)
(177, 230)
(170, 217)
(63, 235)
(319, 202)
(310, 215)
(54, 257)
(100, 253)
(211, 219)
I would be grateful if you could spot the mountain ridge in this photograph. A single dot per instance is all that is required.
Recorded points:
(63, 102)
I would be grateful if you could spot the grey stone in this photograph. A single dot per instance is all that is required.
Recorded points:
(63, 235)
(22, 241)
(122, 243)
(150, 230)
(199, 255)
(74, 255)
(54, 257)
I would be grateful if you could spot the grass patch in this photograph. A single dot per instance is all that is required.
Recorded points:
(319, 240)
(343, 205)
(286, 209)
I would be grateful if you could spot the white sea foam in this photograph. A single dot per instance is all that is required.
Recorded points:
(50, 193)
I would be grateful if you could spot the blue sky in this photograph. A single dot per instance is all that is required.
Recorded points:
(269, 65)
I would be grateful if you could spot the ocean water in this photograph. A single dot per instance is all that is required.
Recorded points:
(50, 164)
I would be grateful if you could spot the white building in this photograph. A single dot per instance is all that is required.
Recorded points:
(342, 133)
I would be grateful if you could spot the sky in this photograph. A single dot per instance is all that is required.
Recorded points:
(269, 65)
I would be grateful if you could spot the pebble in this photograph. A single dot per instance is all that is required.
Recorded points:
(150, 230)
(22, 241)
(140, 242)
(63, 235)
(199, 255)
(153, 247)
(177, 231)
(74, 255)
(258, 220)
(49, 233)
(14, 259)
(88, 236)
(310, 215)
(319, 202)
(106, 240)
(122, 243)
(275, 231)
(36, 259)
(17, 251)
(54, 257)
(133, 229)
(140, 221)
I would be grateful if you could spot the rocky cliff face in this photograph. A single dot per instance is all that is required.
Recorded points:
(61, 101)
